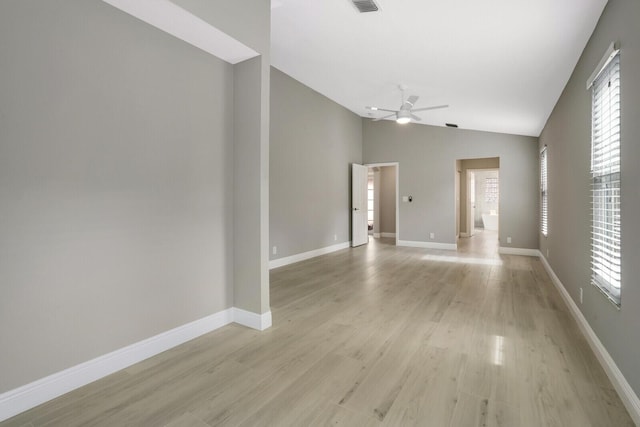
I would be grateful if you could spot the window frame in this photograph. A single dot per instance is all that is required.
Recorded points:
(606, 224)
(544, 191)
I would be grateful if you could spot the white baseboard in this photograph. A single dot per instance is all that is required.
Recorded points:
(280, 262)
(428, 245)
(518, 251)
(252, 320)
(464, 234)
(626, 393)
(387, 234)
(33, 394)
(376, 235)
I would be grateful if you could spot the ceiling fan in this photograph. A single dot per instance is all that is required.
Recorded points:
(405, 113)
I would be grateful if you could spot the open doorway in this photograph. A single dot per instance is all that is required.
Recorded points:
(477, 205)
(382, 201)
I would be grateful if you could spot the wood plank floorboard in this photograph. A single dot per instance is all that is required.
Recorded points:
(372, 336)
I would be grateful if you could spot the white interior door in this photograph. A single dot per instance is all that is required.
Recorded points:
(471, 197)
(359, 226)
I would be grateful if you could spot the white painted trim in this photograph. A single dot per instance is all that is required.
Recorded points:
(280, 262)
(612, 51)
(252, 320)
(518, 251)
(428, 245)
(33, 394)
(464, 234)
(172, 19)
(626, 393)
(387, 234)
(376, 235)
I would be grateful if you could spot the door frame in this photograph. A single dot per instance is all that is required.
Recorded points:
(471, 209)
(397, 168)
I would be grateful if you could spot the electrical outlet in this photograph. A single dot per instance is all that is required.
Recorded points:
(275, 250)
(335, 237)
(508, 239)
(580, 295)
(432, 236)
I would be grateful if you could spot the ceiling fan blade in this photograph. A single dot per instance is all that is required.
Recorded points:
(380, 109)
(416, 118)
(429, 108)
(383, 117)
(412, 100)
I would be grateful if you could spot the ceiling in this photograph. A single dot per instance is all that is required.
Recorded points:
(500, 64)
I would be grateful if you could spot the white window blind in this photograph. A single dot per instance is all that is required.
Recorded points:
(491, 190)
(605, 181)
(544, 206)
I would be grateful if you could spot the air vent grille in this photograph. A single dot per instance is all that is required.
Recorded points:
(365, 5)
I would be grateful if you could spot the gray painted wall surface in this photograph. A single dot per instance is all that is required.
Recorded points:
(465, 164)
(427, 157)
(249, 23)
(388, 199)
(567, 135)
(313, 142)
(248, 256)
(116, 181)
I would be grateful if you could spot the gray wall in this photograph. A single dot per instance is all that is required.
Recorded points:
(249, 23)
(388, 199)
(465, 164)
(117, 182)
(313, 141)
(427, 157)
(567, 135)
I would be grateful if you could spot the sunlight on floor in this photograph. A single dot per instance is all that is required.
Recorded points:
(462, 260)
(498, 351)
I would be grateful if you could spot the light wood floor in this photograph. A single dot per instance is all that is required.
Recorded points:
(372, 336)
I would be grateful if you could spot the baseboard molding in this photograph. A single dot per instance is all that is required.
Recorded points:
(428, 245)
(375, 235)
(23, 398)
(464, 234)
(627, 395)
(281, 262)
(387, 234)
(252, 320)
(518, 251)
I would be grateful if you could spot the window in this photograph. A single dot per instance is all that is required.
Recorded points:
(491, 190)
(605, 179)
(370, 202)
(544, 206)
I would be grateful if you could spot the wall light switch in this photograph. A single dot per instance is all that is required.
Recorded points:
(275, 250)
(405, 198)
(432, 235)
(509, 239)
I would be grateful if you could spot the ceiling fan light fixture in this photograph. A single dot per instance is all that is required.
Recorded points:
(403, 117)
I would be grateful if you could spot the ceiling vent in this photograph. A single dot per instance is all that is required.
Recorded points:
(365, 5)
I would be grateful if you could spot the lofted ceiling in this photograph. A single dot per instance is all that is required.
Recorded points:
(500, 64)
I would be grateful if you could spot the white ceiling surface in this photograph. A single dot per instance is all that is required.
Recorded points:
(500, 64)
